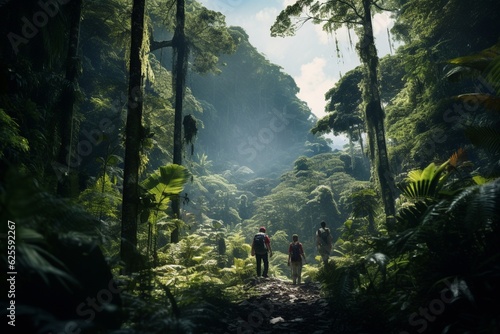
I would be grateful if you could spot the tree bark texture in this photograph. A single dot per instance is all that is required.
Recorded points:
(375, 116)
(179, 70)
(67, 103)
(133, 138)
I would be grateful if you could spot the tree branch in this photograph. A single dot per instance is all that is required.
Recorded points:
(381, 8)
(329, 20)
(154, 45)
(351, 5)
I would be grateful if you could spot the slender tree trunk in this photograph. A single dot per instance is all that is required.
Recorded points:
(375, 116)
(179, 81)
(133, 138)
(67, 104)
(351, 148)
(361, 142)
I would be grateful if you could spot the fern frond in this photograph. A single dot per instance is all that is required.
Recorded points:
(484, 137)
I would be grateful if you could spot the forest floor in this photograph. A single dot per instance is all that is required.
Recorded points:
(281, 307)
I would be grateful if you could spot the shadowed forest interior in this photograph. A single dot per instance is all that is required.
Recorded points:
(143, 143)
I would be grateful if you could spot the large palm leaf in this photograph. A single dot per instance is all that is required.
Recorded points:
(480, 61)
(166, 183)
(487, 62)
(426, 183)
(484, 64)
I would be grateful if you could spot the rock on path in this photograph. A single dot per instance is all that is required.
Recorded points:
(281, 308)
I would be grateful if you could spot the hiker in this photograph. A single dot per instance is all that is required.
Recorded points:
(324, 242)
(295, 256)
(261, 245)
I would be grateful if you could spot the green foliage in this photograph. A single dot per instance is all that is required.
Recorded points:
(301, 164)
(449, 239)
(344, 107)
(259, 187)
(209, 37)
(421, 120)
(333, 15)
(281, 241)
(202, 166)
(23, 198)
(196, 259)
(9, 135)
(278, 210)
(427, 183)
(102, 198)
(166, 183)
(151, 306)
(32, 256)
(322, 205)
(482, 132)
(310, 273)
(364, 203)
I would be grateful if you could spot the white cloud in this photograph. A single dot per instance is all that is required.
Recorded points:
(267, 15)
(323, 36)
(288, 3)
(314, 83)
(380, 23)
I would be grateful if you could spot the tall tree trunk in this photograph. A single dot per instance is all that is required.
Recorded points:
(66, 149)
(179, 70)
(351, 147)
(361, 142)
(133, 138)
(375, 116)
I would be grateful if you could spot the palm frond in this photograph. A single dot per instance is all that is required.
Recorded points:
(492, 74)
(488, 101)
(381, 260)
(426, 183)
(339, 283)
(478, 204)
(32, 256)
(410, 216)
(485, 137)
(480, 61)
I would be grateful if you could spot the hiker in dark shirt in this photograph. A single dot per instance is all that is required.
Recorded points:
(261, 246)
(324, 242)
(295, 256)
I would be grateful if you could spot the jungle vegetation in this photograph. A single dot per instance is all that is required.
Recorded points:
(143, 143)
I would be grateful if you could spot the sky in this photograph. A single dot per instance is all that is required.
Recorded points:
(310, 56)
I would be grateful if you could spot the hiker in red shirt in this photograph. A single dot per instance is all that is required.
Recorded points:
(261, 245)
(295, 256)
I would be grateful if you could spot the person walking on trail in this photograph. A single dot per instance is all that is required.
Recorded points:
(324, 242)
(261, 246)
(295, 256)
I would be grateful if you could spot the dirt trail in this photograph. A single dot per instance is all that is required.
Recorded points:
(282, 308)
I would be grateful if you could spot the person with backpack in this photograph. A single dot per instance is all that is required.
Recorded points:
(324, 242)
(261, 246)
(295, 256)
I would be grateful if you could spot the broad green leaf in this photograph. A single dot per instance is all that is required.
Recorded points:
(478, 179)
(480, 60)
(165, 183)
(425, 183)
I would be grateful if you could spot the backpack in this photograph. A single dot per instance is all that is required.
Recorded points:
(324, 235)
(295, 252)
(259, 243)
